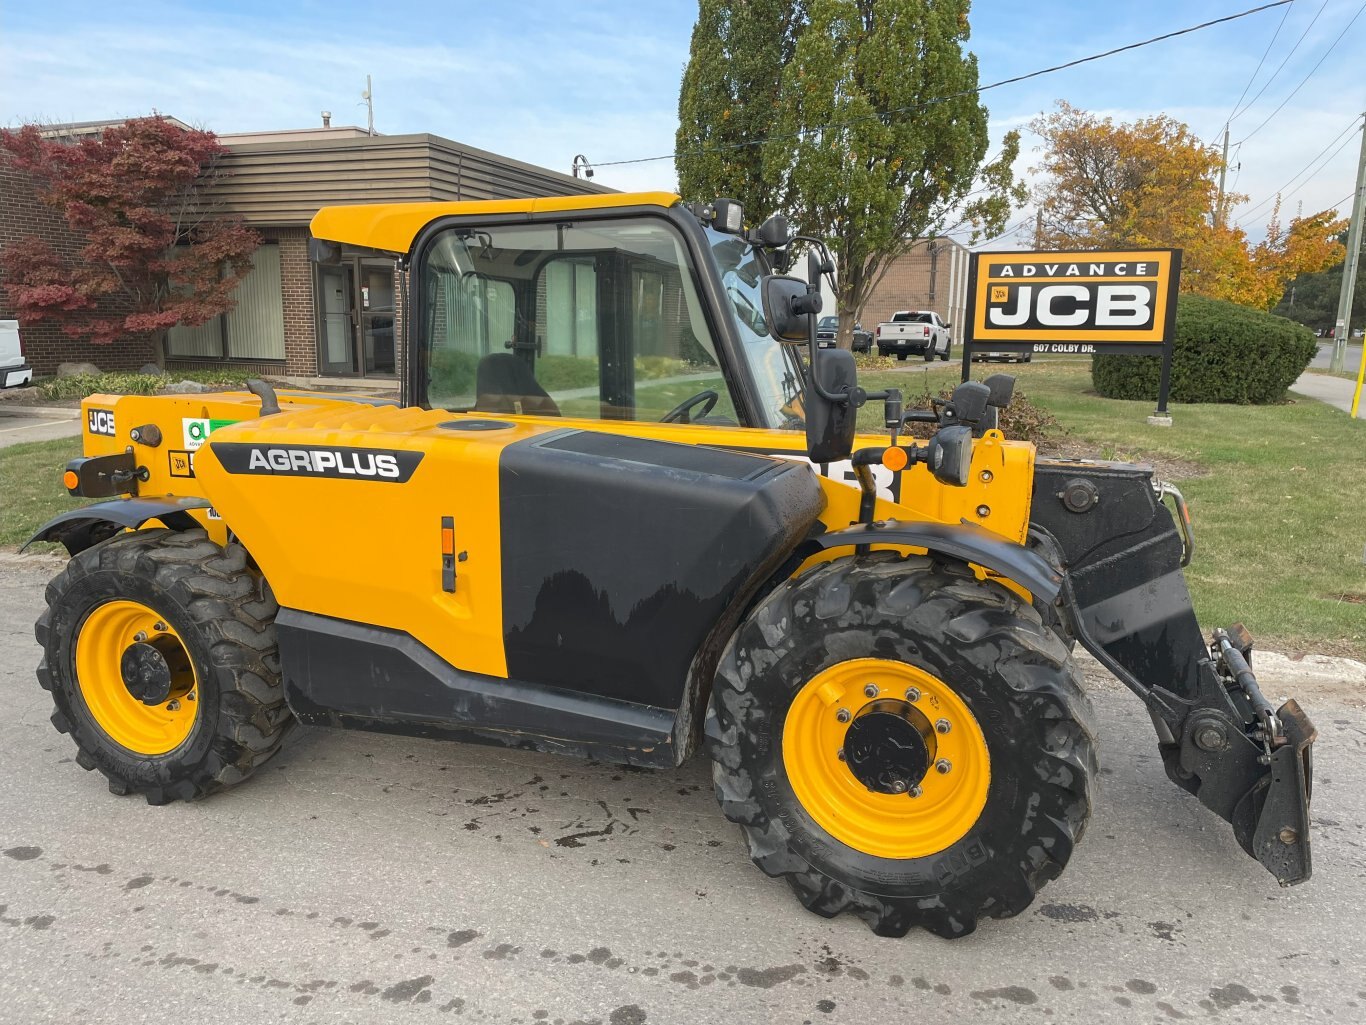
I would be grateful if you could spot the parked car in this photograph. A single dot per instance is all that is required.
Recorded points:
(914, 333)
(987, 355)
(14, 369)
(827, 331)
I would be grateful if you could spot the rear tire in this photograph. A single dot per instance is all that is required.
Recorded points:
(221, 613)
(1014, 676)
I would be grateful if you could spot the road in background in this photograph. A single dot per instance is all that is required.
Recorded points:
(362, 878)
(1323, 359)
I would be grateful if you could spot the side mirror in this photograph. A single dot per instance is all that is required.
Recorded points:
(950, 455)
(830, 425)
(774, 233)
(1002, 388)
(969, 403)
(947, 324)
(788, 307)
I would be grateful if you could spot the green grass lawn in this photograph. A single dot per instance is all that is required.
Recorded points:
(1277, 495)
(31, 490)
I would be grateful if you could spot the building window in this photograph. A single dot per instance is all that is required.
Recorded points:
(254, 329)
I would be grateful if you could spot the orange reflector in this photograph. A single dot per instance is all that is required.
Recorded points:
(447, 540)
(894, 458)
(70, 480)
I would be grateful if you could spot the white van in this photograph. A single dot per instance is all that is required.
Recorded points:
(14, 369)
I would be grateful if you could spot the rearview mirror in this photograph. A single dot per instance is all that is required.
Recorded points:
(789, 307)
(830, 425)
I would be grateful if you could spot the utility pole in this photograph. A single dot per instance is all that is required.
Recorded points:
(1223, 173)
(1342, 331)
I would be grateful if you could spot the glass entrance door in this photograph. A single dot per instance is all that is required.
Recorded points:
(356, 318)
(336, 328)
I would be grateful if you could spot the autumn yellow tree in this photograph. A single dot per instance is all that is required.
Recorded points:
(1151, 182)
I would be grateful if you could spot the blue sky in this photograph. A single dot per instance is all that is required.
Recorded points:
(543, 81)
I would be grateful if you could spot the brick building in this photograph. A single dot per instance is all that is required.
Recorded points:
(292, 318)
(932, 276)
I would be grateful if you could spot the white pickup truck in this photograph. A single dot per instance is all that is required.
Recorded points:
(914, 333)
(14, 369)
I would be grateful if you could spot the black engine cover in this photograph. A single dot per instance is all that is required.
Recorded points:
(623, 555)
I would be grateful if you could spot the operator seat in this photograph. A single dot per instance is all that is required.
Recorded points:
(503, 382)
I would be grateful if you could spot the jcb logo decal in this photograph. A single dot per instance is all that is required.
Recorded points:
(181, 463)
(100, 421)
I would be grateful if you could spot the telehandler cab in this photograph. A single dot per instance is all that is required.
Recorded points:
(592, 524)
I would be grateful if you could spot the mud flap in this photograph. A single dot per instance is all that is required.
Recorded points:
(1124, 598)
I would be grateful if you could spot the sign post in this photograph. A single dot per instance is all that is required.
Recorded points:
(1121, 302)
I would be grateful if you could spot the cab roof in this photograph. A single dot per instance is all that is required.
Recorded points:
(392, 227)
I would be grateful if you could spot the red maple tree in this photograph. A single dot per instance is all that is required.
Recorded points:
(157, 254)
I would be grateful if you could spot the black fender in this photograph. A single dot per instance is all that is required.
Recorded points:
(86, 527)
(966, 542)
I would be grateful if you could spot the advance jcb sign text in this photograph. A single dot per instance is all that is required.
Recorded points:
(1073, 302)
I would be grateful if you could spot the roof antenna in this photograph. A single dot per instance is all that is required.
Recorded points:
(369, 97)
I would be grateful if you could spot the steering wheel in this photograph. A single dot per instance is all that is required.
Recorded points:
(681, 413)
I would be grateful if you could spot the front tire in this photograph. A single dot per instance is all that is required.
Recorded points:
(984, 834)
(948, 351)
(210, 708)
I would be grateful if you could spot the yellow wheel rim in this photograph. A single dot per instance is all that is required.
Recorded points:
(108, 631)
(886, 825)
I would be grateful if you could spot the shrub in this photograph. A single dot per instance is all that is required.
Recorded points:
(1224, 353)
(117, 383)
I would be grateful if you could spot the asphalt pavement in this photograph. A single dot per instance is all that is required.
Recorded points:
(362, 878)
(21, 423)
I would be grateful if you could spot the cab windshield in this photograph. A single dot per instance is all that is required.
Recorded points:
(774, 367)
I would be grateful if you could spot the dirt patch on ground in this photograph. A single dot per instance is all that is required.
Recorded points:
(1168, 468)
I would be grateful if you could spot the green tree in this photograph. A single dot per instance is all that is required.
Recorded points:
(730, 96)
(872, 137)
(1311, 299)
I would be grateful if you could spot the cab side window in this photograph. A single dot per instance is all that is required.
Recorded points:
(592, 320)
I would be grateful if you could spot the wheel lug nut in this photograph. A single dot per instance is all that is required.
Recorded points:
(912, 694)
(140, 636)
(915, 791)
(173, 706)
(942, 726)
(870, 691)
(842, 715)
(840, 754)
(159, 626)
(899, 786)
(943, 766)
(190, 696)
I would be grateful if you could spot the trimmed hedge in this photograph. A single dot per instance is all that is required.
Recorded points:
(1224, 353)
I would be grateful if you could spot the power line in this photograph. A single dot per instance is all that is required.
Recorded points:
(1280, 67)
(1307, 77)
(950, 96)
(1253, 77)
(1351, 125)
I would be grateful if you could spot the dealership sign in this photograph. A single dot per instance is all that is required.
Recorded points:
(1073, 302)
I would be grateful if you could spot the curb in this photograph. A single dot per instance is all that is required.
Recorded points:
(26, 412)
